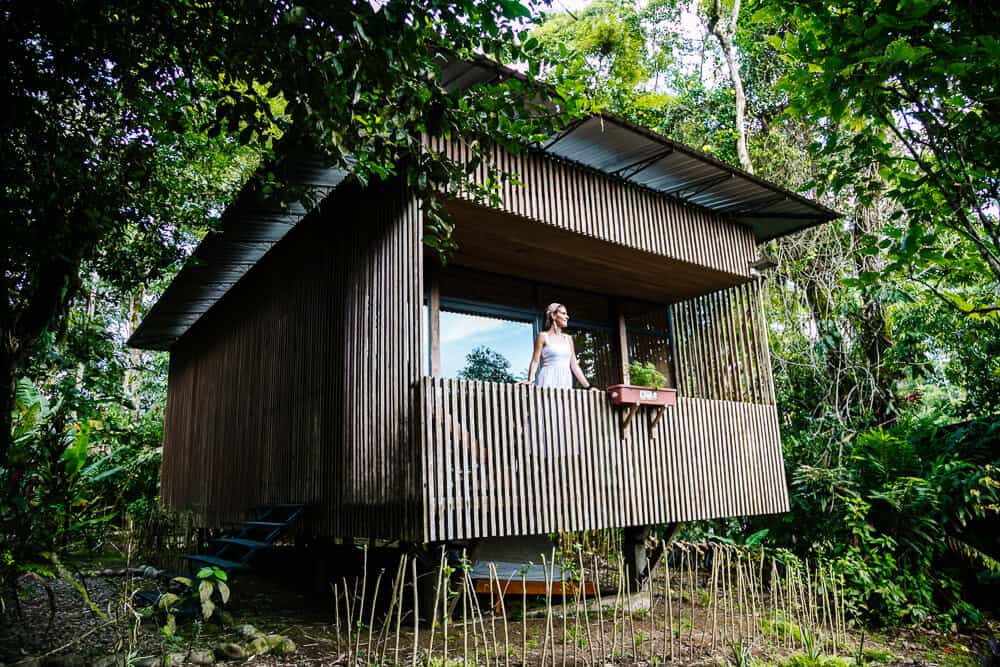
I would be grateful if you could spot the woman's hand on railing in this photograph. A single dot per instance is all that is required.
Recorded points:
(593, 388)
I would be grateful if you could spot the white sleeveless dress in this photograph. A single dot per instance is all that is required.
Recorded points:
(554, 368)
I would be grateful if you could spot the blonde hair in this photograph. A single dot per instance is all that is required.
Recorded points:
(550, 313)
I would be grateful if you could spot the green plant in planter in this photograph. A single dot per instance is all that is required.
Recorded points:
(645, 375)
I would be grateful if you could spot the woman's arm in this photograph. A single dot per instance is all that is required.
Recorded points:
(536, 355)
(574, 366)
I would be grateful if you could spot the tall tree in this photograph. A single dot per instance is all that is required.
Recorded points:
(106, 98)
(914, 84)
(721, 23)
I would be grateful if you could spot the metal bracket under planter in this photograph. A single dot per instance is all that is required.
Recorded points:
(634, 396)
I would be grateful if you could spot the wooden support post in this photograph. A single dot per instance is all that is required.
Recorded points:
(623, 343)
(434, 306)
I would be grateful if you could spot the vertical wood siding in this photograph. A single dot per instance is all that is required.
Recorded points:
(505, 459)
(596, 205)
(721, 346)
(298, 386)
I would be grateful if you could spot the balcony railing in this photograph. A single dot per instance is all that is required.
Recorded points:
(505, 459)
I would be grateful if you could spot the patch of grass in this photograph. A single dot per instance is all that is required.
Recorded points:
(953, 655)
(779, 626)
(806, 660)
(879, 655)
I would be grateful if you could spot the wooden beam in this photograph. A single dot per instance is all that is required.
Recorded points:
(623, 342)
(434, 306)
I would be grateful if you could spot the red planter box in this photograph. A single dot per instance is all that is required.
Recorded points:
(627, 394)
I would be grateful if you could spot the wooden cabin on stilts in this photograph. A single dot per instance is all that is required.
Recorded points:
(322, 356)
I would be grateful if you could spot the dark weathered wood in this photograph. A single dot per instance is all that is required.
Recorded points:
(721, 341)
(704, 459)
(605, 208)
(297, 385)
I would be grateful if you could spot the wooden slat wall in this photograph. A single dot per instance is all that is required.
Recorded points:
(506, 459)
(299, 385)
(721, 346)
(593, 204)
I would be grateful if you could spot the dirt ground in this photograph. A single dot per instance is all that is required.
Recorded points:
(696, 632)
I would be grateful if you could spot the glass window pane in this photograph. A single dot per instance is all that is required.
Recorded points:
(596, 352)
(648, 340)
(476, 347)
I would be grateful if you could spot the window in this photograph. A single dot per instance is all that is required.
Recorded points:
(592, 327)
(487, 325)
(477, 346)
(648, 333)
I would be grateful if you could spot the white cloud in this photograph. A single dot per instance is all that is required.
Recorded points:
(459, 326)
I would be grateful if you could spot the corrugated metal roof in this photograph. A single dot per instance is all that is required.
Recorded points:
(614, 146)
(604, 143)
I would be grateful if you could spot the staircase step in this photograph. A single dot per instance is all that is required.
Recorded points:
(249, 544)
(220, 563)
(265, 524)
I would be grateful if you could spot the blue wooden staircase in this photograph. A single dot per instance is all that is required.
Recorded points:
(234, 554)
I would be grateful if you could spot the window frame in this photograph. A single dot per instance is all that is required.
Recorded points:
(616, 325)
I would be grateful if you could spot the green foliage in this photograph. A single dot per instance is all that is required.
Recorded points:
(908, 88)
(901, 514)
(645, 374)
(50, 509)
(201, 595)
(487, 365)
(619, 49)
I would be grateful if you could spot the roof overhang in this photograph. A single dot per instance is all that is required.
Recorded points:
(614, 146)
(617, 147)
(604, 143)
(249, 228)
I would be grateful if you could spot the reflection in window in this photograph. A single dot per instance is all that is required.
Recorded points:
(648, 338)
(595, 350)
(477, 347)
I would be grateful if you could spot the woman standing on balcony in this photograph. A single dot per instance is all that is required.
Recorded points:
(553, 363)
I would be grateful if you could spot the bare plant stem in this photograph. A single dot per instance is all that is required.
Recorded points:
(503, 614)
(416, 618)
(715, 597)
(669, 606)
(371, 615)
(693, 576)
(600, 606)
(652, 614)
(360, 606)
(627, 610)
(336, 613)
(465, 619)
(524, 618)
(565, 614)
(437, 597)
(586, 612)
(399, 608)
(494, 591)
(614, 614)
(690, 573)
(349, 607)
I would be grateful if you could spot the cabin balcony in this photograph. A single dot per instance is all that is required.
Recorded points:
(511, 459)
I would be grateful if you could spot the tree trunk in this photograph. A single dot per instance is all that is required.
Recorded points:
(724, 32)
(7, 389)
(134, 356)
